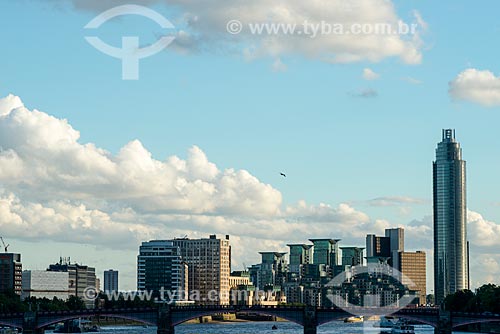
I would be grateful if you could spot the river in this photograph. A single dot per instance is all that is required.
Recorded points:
(260, 328)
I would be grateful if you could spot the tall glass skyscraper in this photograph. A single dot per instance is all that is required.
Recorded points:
(450, 214)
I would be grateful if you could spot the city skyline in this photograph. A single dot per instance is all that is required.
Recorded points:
(197, 145)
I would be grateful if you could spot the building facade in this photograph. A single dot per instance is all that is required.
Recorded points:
(300, 254)
(45, 284)
(378, 246)
(273, 270)
(209, 267)
(397, 239)
(160, 268)
(80, 277)
(352, 256)
(326, 251)
(110, 280)
(11, 272)
(451, 260)
(412, 266)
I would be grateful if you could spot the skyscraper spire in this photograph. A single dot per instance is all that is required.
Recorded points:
(450, 214)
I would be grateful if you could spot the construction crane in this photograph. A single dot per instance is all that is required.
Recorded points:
(4, 245)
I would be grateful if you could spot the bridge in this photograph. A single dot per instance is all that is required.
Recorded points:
(166, 317)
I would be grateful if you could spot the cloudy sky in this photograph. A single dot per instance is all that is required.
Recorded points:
(91, 165)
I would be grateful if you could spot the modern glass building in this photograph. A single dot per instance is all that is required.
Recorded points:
(11, 272)
(160, 267)
(300, 254)
(110, 280)
(450, 214)
(326, 251)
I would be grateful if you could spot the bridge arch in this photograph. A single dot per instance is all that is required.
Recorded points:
(198, 314)
(417, 319)
(475, 321)
(86, 315)
(10, 324)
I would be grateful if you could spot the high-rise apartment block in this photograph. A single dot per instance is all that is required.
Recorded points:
(161, 270)
(326, 251)
(352, 256)
(11, 272)
(378, 246)
(300, 254)
(208, 262)
(273, 269)
(110, 280)
(451, 259)
(412, 266)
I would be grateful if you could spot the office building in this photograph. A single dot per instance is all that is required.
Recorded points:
(239, 278)
(45, 284)
(273, 269)
(11, 272)
(412, 266)
(160, 268)
(352, 256)
(451, 270)
(385, 248)
(378, 246)
(208, 267)
(110, 280)
(325, 251)
(80, 277)
(300, 254)
(397, 239)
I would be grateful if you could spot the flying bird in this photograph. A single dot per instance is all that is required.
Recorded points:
(283, 174)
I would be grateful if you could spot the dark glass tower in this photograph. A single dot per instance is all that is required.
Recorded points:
(450, 214)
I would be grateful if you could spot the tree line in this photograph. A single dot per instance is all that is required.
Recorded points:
(10, 302)
(485, 299)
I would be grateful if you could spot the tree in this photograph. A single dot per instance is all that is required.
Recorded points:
(75, 303)
(462, 301)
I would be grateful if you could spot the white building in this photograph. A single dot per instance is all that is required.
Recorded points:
(45, 284)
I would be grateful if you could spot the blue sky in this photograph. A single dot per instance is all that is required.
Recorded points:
(306, 121)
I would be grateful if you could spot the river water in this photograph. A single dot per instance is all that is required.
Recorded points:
(261, 328)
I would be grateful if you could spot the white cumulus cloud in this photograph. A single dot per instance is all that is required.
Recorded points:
(202, 26)
(369, 74)
(472, 85)
(57, 188)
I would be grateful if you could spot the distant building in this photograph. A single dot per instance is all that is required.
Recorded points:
(160, 268)
(45, 284)
(352, 256)
(11, 272)
(300, 254)
(242, 292)
(80, 277)
(385, 248)
(209, 267)
(273, 269)
(326, 251)
(377, 287)
(413, 267)
(378, 246)
(110, 280)
(239, 278)
(397, 239)
(451, 256)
